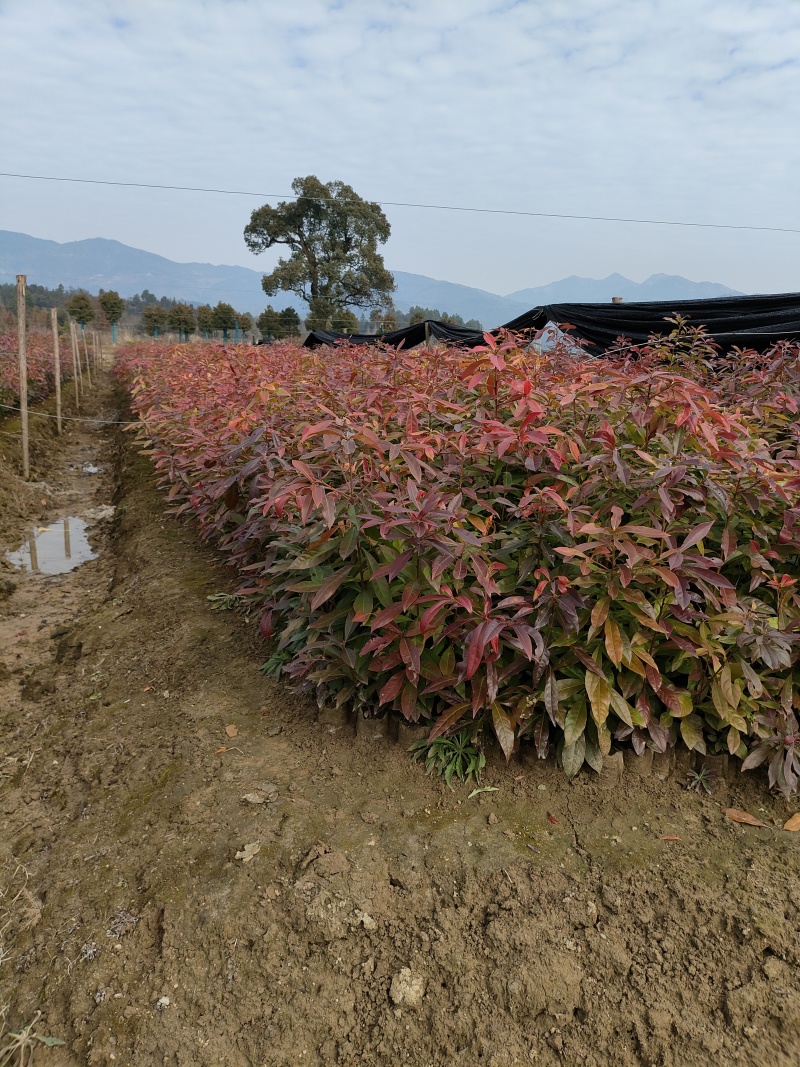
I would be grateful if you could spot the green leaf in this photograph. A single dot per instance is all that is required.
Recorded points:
(622, 708)
(572, 757)
(604, 739)
(600, 611)
(599, 696)
(692, 733)
(734, 740)
(575, 722)
(551, 693)
(730, 690)
(349, 542)
(754, 685)
(447, 662)
(614, 644)
(484, 789)
(50, 1042)
(568, 687)
(382, 591)
(362, 605)
(593, 756)
(504, 730)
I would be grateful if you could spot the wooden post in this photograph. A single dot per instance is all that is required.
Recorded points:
(86, 355)
(77, 377)
(57, 366)
(427, 333)
(33, 551)
(23, 375)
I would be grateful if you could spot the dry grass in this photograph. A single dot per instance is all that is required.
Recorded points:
(17, 1047)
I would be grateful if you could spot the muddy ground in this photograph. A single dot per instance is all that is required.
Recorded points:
(298, 895)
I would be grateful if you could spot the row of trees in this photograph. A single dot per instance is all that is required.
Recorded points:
(159, 315)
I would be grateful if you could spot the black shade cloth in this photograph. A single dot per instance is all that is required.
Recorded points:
(408, 337)
(741, 321)
(732, 321)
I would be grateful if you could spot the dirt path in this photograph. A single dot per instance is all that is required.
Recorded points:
(294, 895)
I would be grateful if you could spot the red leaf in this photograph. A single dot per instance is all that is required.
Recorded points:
(386, 615)
(477, 643)
(588, 662)
(697, 534)
(392, 569)
(329, 587)
(392, 688)
(448, 718)
(408, 701)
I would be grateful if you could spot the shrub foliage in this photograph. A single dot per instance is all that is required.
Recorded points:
(41, 366)
(573, 551)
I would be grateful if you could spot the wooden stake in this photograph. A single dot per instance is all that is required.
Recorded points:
(76, 367)
(57, 366)
(86, 355)
(23, 375)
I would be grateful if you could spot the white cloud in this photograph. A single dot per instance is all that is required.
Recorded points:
(683, 109)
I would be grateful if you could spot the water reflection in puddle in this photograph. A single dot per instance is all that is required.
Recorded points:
(54, 549)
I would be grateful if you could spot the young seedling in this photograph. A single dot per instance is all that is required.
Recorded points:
(454, 756)
(700, 780)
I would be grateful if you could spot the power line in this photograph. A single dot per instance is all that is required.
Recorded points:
(69, 418)
(400, 203)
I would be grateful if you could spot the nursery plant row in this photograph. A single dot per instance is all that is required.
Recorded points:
(562, 550)
(40, 366)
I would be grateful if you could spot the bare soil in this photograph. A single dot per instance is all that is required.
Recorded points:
(295, 894)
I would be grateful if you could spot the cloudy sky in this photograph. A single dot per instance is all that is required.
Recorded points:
(682, 110)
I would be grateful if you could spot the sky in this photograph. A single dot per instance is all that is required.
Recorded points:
(683, 110)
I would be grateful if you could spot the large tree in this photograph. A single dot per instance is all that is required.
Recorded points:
(154, 318)
(81, 308)
(278, 324)
(205, 319)
(113, 306)
(333, 236)
(181, 319)
(224, 318)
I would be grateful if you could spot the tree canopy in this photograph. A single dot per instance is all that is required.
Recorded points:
(81, 308)
(205, 318)
(181, 318)
(154, 317)
(224, 316)
(112, 304)
(333, 235)
(278, 324)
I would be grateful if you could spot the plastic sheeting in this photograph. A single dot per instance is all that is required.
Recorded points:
(732, 321)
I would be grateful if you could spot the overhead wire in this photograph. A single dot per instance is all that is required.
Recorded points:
(406, 204)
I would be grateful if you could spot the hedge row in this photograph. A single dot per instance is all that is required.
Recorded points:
(579, 552)
(41, 366)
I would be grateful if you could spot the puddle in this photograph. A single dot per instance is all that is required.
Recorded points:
(54, 549)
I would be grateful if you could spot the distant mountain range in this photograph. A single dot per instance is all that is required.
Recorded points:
(98, 263)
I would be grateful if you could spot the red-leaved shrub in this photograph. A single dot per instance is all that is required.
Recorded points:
(572, 550)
